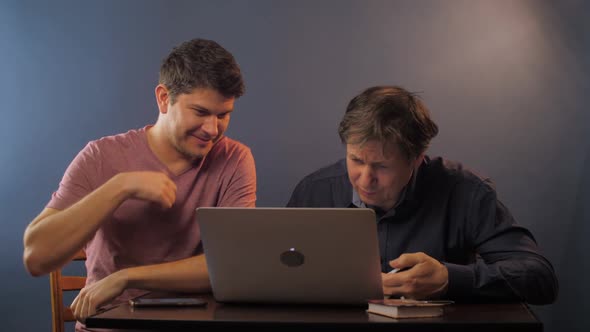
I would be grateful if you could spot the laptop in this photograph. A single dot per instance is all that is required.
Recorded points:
(291, 255)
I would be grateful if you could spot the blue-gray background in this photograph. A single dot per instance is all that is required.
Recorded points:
(507, 81)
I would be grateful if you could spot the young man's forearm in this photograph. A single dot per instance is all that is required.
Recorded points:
(186, 275)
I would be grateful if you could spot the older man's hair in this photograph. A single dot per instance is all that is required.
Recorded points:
(390, 115)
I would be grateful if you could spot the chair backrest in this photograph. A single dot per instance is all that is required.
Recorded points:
(59, 284)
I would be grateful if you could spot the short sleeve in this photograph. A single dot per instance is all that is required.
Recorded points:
(78, 179)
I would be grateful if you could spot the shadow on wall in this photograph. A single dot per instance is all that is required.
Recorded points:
(572, 307)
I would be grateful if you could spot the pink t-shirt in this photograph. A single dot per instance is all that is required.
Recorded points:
(140, 232)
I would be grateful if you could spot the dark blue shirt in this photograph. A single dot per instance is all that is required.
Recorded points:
(454, 216)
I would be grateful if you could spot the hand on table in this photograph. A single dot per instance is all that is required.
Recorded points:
(101, 292)
(425, 278)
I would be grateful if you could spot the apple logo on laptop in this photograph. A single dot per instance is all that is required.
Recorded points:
(292, 258)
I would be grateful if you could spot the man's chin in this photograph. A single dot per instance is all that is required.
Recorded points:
(367, 199)
(370, 201)
(195, 154)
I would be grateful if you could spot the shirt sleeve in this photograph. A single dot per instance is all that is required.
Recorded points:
(298, 196)
(241, 190)
(508, 264)
(77, 181)
(317, 194)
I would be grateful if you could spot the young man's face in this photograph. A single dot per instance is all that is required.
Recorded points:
(197, 120)
(378, 175)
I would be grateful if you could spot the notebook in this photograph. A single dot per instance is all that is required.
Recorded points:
(405, 308)
(291, 255)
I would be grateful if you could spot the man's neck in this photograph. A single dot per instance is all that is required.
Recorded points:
(165, 152)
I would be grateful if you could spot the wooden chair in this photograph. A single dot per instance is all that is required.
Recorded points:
(60, 284)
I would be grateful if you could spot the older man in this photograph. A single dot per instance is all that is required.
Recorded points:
(440, 224)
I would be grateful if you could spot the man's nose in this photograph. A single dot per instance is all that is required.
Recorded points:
(367, 177)
(210, 126)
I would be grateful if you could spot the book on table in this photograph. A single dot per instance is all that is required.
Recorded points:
(405, 308)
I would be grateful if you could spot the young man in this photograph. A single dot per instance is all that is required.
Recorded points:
(129, 200)
(438, 220)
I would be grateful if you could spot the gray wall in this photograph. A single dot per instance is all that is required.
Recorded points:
(507, 81)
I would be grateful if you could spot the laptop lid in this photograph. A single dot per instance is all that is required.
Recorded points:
(291, 255)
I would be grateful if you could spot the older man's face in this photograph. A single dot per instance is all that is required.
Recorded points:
(379, 175)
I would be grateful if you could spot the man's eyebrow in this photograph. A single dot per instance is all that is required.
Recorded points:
(353, 156)
(200, 108)
(373, 163)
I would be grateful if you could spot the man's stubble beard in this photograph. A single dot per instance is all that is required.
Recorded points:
(193, 158)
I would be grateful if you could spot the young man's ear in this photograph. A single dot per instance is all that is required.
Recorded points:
(418, 160)
(162, 98)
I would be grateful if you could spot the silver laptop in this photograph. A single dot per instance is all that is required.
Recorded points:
(291, 255)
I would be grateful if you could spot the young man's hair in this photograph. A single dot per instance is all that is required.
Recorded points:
(201, 63)
(390, 115)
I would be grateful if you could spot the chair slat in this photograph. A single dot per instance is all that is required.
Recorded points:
(58, 284)
(80, 256)
(69, 283)
(68, 315)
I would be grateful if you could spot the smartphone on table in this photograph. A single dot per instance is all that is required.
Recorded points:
(168, 302)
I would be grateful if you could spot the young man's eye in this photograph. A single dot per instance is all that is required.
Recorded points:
(222, 116)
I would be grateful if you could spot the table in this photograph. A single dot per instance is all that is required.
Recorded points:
(216, 316)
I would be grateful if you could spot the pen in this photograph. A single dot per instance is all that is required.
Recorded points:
(396, 270)
(438, 302)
